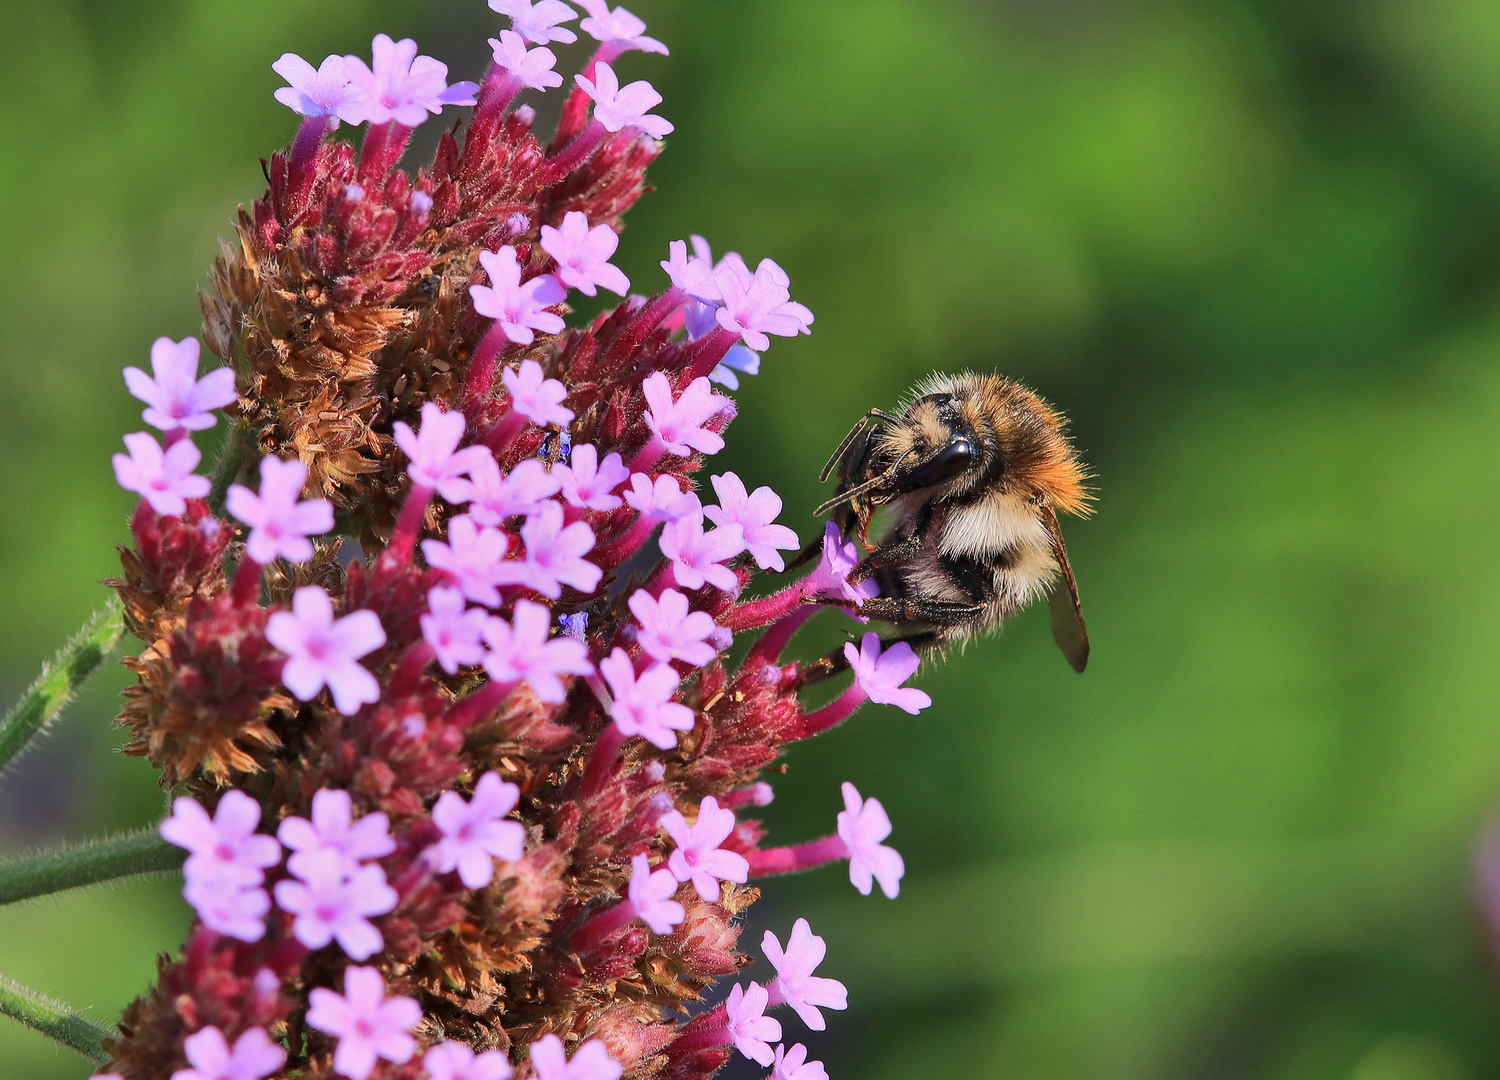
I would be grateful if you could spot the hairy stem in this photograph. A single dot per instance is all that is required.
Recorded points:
(238, 447)
(53, 1019)
(127, 855)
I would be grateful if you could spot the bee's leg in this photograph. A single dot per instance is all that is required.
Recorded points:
(896, 552)
(901, 609)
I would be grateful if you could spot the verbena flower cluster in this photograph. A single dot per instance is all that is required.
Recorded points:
(459, 762)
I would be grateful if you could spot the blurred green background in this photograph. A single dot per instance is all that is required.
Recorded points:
(1253, 250)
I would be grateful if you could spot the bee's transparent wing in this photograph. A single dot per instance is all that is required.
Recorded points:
(1068, 627)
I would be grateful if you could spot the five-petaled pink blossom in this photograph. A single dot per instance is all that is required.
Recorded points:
(225, 846)
(333, 829)
(589, 483)
(661, 499)
(863, 823)
(651, 893)
(538, 399)
(176, 398)
(493, 498)
(164, 479)
(532, 66)
(403, 87)
(831, 578)
(591, 1061)
(554, 555)
(368, 1025)
(618, 28)
(326, 90)
(476, 833)
(748, 1025)
(795, 984)
(332, 902)
(473, 555)
(538, 22)
(619, 107)
(453, 629)
(694, 274)
(880, 674)
(698, 557)
(756, 516)
(322, 651)
(455, 1061)
(436, 462)
(518, 309)
(679, 424)
(698, 857)
(669, 631)
(280, 519)
(793, 1065)
(237, 911)
(643, 706)
(759, 304)
(583, 255)
(520, 650)
(253, 1057)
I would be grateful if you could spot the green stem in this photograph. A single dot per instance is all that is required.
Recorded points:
(53, 1019)
(127, 855)
(238, 447)
(55, 687)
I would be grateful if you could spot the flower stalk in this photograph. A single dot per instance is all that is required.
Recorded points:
(53, 1019)
(107, 859)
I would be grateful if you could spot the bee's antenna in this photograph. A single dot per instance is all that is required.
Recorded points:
(864, 422)
(860, 489)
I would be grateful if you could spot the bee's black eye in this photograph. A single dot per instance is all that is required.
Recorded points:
(951, 460)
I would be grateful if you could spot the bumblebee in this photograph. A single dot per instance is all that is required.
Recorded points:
(974, 471)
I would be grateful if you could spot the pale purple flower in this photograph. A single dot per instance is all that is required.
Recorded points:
(831, 578)
(880, 674)
(403, 87)
(493, 498)
(436, 462)
(618, 28)
(452, 629)
(660, 499)
(280, 519)
(583, 255)
(698, 857)
(226, 846)
(333, 829)
(693, 275)
(521, 650)
(754, 306)
(795, 982)
(669, 631)
(738, 358)
(164, 479)
(651, 895)
(231, 909)
(322, 651)
(475, 833)
(588, 483)
(325, 91)
(368, 1025)
(793, 1065)
(698, 557)
(863, 823)
(538, 399)
(518, 309)
(748, 1025)
(591, 1061)
(332, 901)
(616, 107)
(176, 398)
(533, 67)
(537, 22)
(755, 515)
(679, 424)
(473, 555)
(554, 554)
(643, 706)
(455, 1061)
(254, 1056)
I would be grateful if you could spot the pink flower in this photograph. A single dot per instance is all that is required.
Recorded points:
(790, 1065)
(749, 1027)
(493, 498)
(669, 631)
(175, 396)
(698, 857)
(331, 901)
(225, 846)
(323, 91)
(436, 461)
(554, 555)
(831, 578)
(164, 479)
(695, 275)
(280, 521)
(517, 309)
(324, 652)
(402, 86)
(254, 1056)
(473, 556)
(643, 706)
(661, 499)
(538, 399)
(589, 484)
(880, 675)
(754, 306)
(618, 108)
(455, 1061)
(453, 630)
(537, 23)
(591, 1061)
(795, 983)
(618, 28)
(863, 823)
(521, 650)
(533, 68)
(679, 424)
(333, 829)
(234, 910)
(582, 255)
(755, 515)
(699, 557)
(368, 1025)
(651, 895)
(475, 833)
